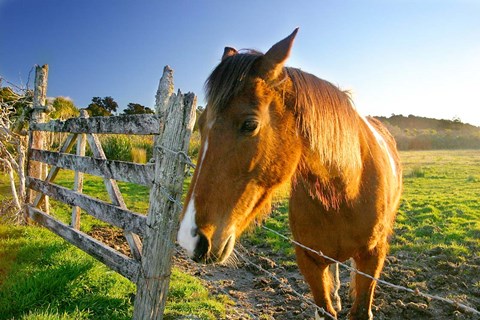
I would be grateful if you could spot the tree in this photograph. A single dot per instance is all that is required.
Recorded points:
(135, 108)
(94, 110)
(63, 108)
(14, 110)
(19, 102)
(102, 106)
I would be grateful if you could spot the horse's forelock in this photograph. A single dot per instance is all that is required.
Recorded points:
(228, 78)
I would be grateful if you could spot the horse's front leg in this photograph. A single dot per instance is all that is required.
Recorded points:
(317, 275)
(370, 262)
(335, 274)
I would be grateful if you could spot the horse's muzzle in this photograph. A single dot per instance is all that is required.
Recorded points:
(205, 254)
(201, 253)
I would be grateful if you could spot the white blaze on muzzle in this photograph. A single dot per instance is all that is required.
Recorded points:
(187, 236)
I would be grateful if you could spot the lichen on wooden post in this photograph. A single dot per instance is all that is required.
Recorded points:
(165, 195)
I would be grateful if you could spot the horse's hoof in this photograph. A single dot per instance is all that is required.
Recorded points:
(317, 316)
(337, 303)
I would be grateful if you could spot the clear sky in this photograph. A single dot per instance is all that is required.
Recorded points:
(418, 57)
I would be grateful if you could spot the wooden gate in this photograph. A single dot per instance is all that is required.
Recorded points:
(151, 237)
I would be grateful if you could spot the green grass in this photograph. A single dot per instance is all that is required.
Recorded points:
(44, 277)
(49, 279)
(440, 207)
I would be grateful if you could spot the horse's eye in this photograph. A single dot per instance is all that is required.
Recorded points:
(249, 126)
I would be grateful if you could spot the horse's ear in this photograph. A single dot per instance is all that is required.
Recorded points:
(228, 52)
(273, 61)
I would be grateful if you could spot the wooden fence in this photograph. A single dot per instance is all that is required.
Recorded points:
(150, 237)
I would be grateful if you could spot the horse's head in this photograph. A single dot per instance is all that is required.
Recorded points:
(249, 147)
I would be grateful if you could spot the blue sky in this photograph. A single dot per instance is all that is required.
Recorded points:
(418, 57)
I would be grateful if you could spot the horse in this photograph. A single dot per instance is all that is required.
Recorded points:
(266, 125)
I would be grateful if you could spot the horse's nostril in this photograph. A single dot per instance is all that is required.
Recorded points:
(203, 247)
(194, 232)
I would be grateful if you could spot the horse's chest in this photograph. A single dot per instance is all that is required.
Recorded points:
(338, 234)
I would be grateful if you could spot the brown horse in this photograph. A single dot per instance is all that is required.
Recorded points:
(266, 125)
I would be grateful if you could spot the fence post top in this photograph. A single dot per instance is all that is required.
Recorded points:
(83, 113)
(165, 90)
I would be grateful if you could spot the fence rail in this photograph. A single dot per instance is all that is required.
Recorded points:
(122, 264)
(119, 217)
(144, 124)
(118, 170)
(150, 237)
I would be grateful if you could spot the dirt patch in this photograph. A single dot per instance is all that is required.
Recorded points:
(254, 292)
(112, 237)
(259, 296)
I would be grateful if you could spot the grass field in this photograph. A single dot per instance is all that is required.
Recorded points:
(441, 203)
(42, 277)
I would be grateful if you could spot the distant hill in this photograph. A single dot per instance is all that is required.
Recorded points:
(420, 133)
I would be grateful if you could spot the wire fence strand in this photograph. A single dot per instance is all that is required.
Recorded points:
(386, 283)
(281, 283)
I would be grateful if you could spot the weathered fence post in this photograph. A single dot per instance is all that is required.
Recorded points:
(78, 178)
(37, 138)
(165, 196)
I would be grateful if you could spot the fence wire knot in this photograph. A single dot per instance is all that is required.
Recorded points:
(181, 154)
(166, 193)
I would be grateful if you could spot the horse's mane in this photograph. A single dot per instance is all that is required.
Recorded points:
(328, 120)
(325, 114)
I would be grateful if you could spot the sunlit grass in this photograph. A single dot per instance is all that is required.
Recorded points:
(440, 207)
(44, 277)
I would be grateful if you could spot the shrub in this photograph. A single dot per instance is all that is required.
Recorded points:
(194, 147)
(117, 147)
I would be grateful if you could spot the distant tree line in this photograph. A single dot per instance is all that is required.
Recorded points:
(107, 106)
(419, 133)
(63, 107)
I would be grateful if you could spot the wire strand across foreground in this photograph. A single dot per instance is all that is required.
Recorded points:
(288, 286)
(398, 287)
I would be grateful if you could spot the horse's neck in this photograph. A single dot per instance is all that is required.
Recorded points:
(325, 181)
